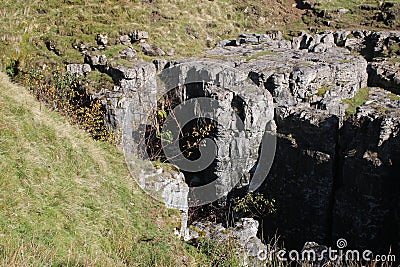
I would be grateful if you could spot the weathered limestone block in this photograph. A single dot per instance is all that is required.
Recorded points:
(78, 69)
(129, 105)
(102, 39)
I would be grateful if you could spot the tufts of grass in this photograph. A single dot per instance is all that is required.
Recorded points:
(393, 97)
(360, 98)
(260, 54)
(394, 59)
(221, 252)
(322, 90)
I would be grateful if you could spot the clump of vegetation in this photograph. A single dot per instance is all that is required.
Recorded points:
(393, 97)
(360, 98)
(255, 205)
(345, 14)
(221, 252)
(190, 135)
(394, 50)
(322, 90)
(66, 93)
(12, 68)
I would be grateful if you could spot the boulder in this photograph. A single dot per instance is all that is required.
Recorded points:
(139, 35)
(125, 40)
(128, 53)
(102, 39)
(78, 69)
(152, 50)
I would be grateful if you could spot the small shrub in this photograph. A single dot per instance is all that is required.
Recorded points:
(254, 205)
(190, 135)
(12, 68)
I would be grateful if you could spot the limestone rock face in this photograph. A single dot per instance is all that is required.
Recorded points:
(128, 106)
(366, 209)
(385, 74)
(243, 110)
(316, 186)
(302, 175)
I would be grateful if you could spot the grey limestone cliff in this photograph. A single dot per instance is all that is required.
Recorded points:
(333, 175)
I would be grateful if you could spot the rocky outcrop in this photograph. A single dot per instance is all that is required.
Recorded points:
(314, 185)
(303, 76)
(242, 111)
(332, 177)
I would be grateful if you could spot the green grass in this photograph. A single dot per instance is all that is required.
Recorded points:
(394, 59)
(67, 200)
(337, 4)
(393, 97)
(178, 24)
(322, 90)
(260, 54)
(360, 98)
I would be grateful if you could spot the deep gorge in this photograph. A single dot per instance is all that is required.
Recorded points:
(334, 173)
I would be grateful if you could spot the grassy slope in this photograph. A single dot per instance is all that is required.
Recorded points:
(68, 200)
(180, 24)
(183, 25)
